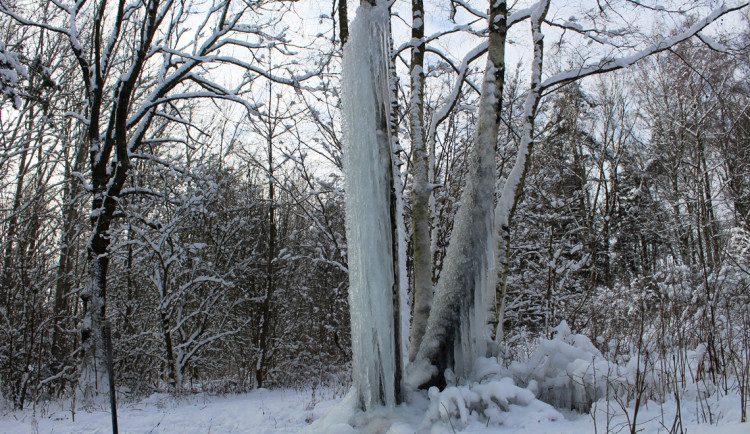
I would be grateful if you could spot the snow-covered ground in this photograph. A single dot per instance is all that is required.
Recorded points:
(289, 411)
(566, 370)
(261, 411)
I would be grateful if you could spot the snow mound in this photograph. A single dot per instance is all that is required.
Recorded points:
(337, 417)
(493, 399)
(495, 402)
(566, 371)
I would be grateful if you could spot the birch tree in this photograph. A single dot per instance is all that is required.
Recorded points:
(422, 255)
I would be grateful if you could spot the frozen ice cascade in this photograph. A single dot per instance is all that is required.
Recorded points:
(367, 166)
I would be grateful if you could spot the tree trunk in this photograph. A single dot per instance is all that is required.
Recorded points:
(508, 200)
(93, 373)
(343, 22)
(401, 314)
(265, 324)
(422, 254)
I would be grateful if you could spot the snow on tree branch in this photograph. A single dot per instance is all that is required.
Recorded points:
(607, 64)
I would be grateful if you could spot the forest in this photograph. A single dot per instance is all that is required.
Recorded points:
(455, 206)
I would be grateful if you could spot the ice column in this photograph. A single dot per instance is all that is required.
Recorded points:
(367, 171)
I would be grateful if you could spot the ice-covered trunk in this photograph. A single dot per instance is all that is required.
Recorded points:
(456, 333)
(513, 187)
(368, 174)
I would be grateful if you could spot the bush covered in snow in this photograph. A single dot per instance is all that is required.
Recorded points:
(11, 72)
(566, 371)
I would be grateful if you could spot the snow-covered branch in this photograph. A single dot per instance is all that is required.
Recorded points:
(612, 63)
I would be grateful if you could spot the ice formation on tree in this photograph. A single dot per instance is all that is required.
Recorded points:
(367, 171)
